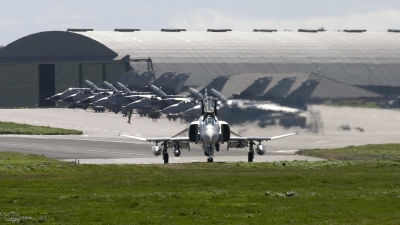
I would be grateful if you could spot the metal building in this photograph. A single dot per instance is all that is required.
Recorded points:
(37, 65)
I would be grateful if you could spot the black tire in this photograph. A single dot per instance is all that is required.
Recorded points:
(166, 158)
(250, 156)
(210, 160)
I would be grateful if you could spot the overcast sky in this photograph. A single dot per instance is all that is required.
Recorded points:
(19, 18)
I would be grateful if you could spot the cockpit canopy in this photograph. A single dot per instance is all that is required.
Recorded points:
(209, 104)
(209, 121)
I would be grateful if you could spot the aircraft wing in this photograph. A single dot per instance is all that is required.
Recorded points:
(238, 141)
(159, 139)
(254, 138)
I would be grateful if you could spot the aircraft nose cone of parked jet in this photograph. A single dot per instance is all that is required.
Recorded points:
(87, 100)
(136, 105)
(210, 137)
(100, 102)
(171, 109)
(56, 97)
(69, 98)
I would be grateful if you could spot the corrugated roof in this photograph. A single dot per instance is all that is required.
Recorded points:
(345, 57)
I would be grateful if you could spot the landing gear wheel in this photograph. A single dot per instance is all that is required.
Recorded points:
(250, 156)
(166, 157)
(210, 160)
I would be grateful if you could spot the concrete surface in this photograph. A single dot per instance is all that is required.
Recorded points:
(101, 143)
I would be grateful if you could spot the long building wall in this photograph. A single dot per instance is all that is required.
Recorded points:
(19, 85)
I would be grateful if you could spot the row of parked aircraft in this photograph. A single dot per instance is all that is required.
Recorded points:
(146, 95)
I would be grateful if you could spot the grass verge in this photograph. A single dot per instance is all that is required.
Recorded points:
(366, 152)
(36, 189)
(16, 128)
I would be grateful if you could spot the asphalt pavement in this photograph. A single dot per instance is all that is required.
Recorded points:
(100, 142)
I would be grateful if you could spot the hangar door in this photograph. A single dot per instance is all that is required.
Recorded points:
(46, 84)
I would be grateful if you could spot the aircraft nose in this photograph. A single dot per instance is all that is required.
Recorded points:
(99, 102)
(169, 110)
(56, 97)
(134, 105)
(69, 99)
(210, 137)
(87, 100)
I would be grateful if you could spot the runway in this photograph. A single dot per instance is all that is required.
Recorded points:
(100, 142)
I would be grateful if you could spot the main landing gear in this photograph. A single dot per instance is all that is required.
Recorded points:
(165, 153)
(251, 152)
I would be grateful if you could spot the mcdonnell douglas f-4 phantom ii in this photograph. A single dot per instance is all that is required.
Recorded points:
(210, 132)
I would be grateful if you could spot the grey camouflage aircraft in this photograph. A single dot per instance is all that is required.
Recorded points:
(154, 104)
(210, 133)
(118, 99)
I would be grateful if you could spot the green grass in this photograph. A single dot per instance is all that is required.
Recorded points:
(16, 128)
(366, 152)
(35, 190)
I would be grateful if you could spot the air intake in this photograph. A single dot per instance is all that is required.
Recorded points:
(218, 30)
(307, 31)
(355, 31)
(126, 30)
(78, 30)
(172, 30)
(265, 30)
(394, 30)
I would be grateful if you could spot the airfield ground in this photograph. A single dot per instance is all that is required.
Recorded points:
(100, 143)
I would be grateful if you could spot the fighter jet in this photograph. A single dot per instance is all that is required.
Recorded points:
(79, 99)
(176, 110)
(66, 93)
(118, 99)
(154, 104)
(210, 132)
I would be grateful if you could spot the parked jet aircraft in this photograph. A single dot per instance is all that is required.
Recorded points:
(210, 132)
(119, 99)
(146, 105)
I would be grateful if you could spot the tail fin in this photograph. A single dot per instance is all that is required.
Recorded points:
(123, 88)
(218, 95)
(196, 93)
(110, 86)
(91, 85)
(158, 90)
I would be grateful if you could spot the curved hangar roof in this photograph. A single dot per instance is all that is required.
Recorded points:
(369, 58)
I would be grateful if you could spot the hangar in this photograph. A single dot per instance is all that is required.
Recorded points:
(41, 64)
